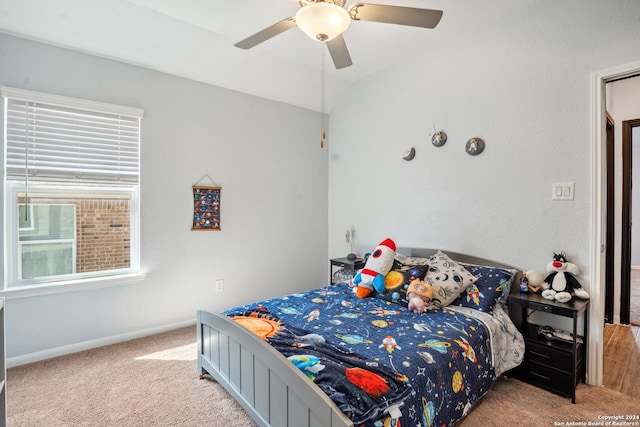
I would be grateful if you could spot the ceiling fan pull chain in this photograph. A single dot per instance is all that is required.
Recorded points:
(322, 96)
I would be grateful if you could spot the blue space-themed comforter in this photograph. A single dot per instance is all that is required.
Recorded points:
(382, 364)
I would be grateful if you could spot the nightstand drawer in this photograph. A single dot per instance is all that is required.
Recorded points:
(547, 355)
(540, 307)
(546, 377)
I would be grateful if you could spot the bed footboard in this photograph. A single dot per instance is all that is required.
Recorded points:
(269, 387)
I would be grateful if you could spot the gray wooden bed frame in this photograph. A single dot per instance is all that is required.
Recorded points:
(269, 387)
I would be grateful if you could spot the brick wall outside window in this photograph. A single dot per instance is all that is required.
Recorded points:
(102, 231)
(102, 234)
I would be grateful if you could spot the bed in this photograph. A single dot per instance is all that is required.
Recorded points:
(327, 358)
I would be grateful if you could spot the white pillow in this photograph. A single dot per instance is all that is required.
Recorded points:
(448, 279)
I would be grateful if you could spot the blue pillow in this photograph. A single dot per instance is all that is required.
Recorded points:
(491, 285)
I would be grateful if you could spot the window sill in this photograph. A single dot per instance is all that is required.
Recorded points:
(72, 286)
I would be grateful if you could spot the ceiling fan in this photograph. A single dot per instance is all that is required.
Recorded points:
(326, 20)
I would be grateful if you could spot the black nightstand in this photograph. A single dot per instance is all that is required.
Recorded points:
(551, 364)
(346, 263)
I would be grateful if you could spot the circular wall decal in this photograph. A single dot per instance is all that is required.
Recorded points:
(474, 146)
(439, 138)
(409, 155)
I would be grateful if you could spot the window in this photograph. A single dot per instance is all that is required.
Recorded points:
(46, 239)
(72, 187)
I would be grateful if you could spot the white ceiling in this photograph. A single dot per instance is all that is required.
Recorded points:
(195, 39)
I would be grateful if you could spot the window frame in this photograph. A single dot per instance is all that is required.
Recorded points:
(14, 286)
(125, 183)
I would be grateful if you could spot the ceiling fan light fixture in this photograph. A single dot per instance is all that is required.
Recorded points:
(323, 21)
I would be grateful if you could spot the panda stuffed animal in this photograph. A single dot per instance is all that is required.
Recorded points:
(560, 284)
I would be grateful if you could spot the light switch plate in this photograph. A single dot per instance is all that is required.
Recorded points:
(562, 191)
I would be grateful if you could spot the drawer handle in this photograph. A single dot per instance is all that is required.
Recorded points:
(541, 307)
(541, 376)
(544, 356)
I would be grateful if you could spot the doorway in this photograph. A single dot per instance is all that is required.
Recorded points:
(622, 250)
(597, 275)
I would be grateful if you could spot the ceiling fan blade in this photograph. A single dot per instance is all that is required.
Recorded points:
(425, 18)
(267, 33)
(339, 52)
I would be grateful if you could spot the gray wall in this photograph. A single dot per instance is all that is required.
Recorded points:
(525, 88)
(264, 154)
(635, 198)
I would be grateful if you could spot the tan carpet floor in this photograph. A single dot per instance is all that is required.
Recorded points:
(146, 382)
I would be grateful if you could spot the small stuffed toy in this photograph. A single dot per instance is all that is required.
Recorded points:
(535, 279)
(560, 284)
(419, 294)
(377, 266)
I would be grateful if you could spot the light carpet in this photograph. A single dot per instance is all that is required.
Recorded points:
(150, 381)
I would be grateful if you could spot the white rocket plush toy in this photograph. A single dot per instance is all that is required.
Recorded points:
(377, 266)
(560, 284)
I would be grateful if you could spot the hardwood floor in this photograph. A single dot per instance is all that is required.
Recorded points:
(622, 359)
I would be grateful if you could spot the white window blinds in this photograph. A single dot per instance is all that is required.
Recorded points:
(55, 138)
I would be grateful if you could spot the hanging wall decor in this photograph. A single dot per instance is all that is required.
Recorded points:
(410, 154)
(206, 207)
(439, 139)
(474, 146)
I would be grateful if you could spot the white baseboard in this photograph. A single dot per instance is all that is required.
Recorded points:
(88, 345)
(635, 267)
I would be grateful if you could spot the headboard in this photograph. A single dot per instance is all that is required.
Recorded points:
(425, 252)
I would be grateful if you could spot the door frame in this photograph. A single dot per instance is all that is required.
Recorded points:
(611, 219)
(597, 277)
(625, 238)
